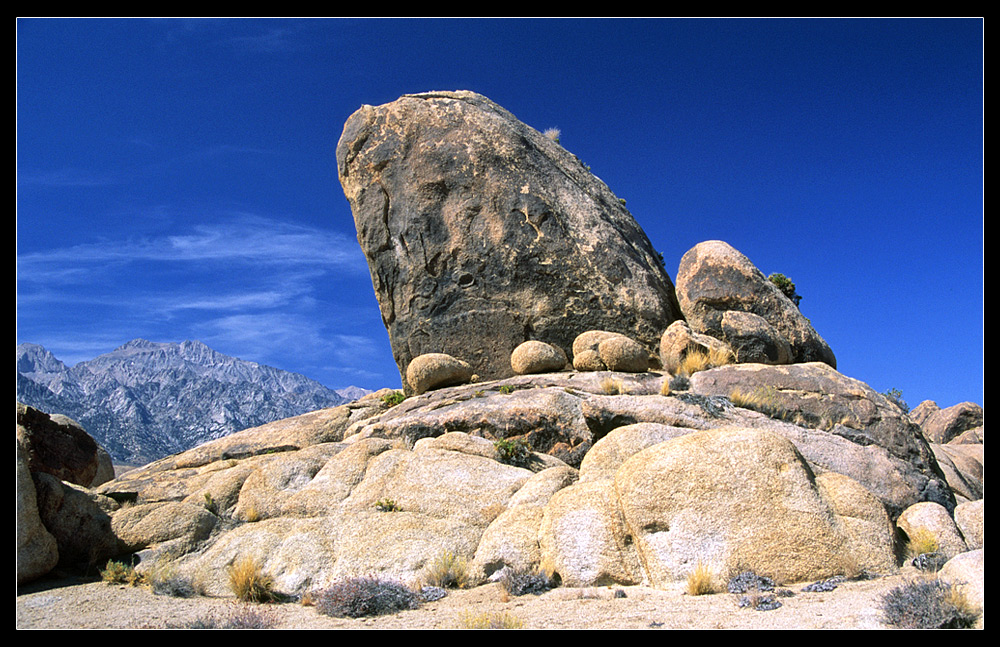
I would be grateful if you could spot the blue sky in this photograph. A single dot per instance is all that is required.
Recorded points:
(176, 178)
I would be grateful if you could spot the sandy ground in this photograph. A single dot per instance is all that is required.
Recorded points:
(72, 604)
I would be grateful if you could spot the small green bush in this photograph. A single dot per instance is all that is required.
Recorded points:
(359, 597)
(896, 397)
(394, 398)
(121, 573)
(507, 389)
(927, 604)
(515, 452)
(786, 286)
(387, 505)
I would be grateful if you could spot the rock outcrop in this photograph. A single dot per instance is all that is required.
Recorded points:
(374, 488)
(714, 279)
(481, 233)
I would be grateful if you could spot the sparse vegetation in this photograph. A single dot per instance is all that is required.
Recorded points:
(358, 597)
(699, 360)
(394, 398)
(612, 386)
(507, 389)
(248, 582)
(501, 620)
(447, 571)
(763, 399)
(701, 581)
(927, 604)
(166, 580)
(896, 397)
(237, 617)
(553, 134)
(211, 505)
(920, 542)
(517, 582)
(786, 286)
(387, 505)
(516, 452)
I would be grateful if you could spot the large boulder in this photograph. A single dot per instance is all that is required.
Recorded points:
(37, 551)
(744, 498)
(57, 445)
(713, 279)
(481, 233)
(899, 467)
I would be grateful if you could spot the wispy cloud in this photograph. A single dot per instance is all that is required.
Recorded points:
(244, 239)
(66, 178)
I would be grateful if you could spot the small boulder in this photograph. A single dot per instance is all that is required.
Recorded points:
(436, 370)
(967, 573)
(537, 357)
(933, 518)
(678, 340)
(601, 350)
(713, 279)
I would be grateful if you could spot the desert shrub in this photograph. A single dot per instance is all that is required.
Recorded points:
(358, 597)
(120, 573)
(786, 286)
(927, 604)
(679, 383)
(518, 582)
(516, 452)
(237, 617)
(746, 581)
(701, 581)
(448, 571)
(166, 580)
(896, 397)
(394, 398)
(387, 505)
(507, 389)
(553, 134)
(248, 582)
(502, 620)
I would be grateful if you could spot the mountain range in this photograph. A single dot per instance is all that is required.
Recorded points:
(145, 400)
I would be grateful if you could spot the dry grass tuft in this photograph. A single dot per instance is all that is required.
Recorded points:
(500, 620)
(701, 581)
(612, 386)
(921, 541)
(448, 571)
(248, 582)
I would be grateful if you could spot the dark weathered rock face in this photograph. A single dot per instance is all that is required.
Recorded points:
(481, 233)
(714, 278)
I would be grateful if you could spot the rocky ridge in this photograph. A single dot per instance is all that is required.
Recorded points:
(145, 400)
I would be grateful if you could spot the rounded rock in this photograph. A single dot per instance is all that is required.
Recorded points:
(436, 370)
(537, 357)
